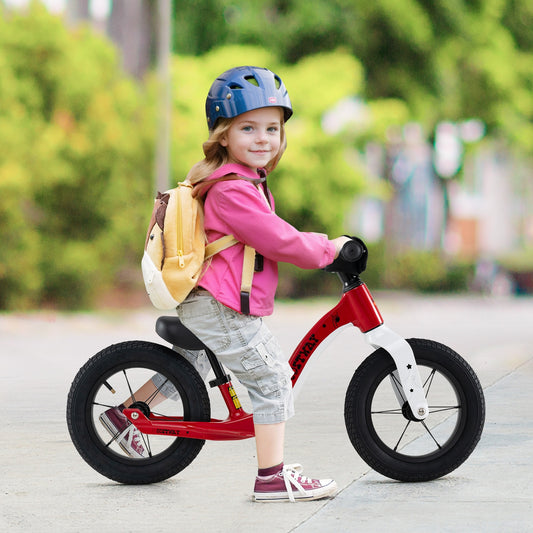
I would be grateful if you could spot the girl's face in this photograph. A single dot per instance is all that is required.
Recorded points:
(254, 138)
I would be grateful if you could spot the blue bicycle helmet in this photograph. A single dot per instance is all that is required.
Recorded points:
(243, 89)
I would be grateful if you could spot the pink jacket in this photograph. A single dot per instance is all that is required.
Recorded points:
(239, 208)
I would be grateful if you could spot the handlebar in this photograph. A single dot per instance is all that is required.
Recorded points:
(352, 251)
(351, 259)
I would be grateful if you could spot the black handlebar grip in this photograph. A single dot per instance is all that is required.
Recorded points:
(352, 258)
(352, 251)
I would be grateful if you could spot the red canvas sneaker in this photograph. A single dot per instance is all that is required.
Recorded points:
(127, 436)
(289, 485)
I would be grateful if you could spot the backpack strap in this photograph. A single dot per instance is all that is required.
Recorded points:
(220, 244)
(230, 172)
(248, 266)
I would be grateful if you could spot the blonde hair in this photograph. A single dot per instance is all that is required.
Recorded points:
(216, 155)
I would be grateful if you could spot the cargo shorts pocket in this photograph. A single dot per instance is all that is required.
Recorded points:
(265, 364)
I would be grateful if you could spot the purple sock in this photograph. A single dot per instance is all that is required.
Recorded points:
(270, 471)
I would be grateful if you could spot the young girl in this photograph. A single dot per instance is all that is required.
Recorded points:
(246, 110)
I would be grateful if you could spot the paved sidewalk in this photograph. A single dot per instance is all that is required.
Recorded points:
(491, 492)
(46, 486)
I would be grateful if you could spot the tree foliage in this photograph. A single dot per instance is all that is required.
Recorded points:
(75, 159)
(446, 59)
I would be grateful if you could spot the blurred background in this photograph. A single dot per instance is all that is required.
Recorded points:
(413, 129)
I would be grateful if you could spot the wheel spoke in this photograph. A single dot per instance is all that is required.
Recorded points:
(401, 436)
(429, 381)
(150, 399)
(113, 439)
(107, 406)
(431, 434)
(442, 408)
(146, 441)
(128, 384)
(397, 384)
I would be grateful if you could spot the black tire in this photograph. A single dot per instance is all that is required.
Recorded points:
(123, 368)
(386, 435)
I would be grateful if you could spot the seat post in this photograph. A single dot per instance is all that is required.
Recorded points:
(223, 382)
(220, 376)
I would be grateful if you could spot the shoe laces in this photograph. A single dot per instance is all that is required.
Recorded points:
(292, 477)
(132, 436)
(136, 439)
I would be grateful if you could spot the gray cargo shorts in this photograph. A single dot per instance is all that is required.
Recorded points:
(246, 347)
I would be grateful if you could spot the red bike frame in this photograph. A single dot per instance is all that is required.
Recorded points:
(356, 307)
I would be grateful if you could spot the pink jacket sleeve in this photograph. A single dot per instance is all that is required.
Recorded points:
(239, 208)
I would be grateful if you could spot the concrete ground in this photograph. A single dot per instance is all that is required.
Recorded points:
(46, 486)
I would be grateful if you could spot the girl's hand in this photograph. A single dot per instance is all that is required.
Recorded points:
(339, 243)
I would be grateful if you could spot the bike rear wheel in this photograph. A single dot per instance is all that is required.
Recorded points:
(383, 429)
(112, 376)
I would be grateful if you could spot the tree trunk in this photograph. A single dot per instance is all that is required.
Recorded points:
(130, 27)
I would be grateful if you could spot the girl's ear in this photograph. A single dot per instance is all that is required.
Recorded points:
(223, 141)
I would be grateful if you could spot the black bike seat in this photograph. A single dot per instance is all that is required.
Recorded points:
(172, 330)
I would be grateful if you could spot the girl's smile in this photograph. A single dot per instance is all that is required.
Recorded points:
(254, 138)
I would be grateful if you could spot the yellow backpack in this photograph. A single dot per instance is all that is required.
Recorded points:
(175, 249)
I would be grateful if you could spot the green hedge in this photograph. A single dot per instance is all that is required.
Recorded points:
(426, 271)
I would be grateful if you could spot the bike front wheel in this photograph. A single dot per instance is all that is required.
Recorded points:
(384, 431)
(106, 440)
